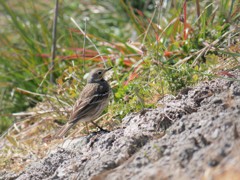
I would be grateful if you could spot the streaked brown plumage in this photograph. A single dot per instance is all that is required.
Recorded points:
(92, 101)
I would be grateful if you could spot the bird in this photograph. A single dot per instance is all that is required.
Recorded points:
(92, 101)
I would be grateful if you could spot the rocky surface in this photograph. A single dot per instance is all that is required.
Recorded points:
(195, 135)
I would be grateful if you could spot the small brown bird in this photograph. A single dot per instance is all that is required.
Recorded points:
(92, 101)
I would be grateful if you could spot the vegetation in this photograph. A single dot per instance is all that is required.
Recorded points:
(155, 48)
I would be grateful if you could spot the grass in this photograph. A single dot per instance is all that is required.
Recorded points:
(154, 49)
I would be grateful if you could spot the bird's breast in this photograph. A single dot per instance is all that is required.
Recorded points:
(103, 87)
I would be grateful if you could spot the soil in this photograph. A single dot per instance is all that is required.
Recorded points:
(195, 135)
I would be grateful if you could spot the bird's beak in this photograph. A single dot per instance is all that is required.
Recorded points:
(108, 69)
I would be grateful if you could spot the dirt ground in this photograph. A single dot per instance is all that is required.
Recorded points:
(195, 135)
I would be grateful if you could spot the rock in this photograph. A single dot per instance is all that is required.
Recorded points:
(215, 133)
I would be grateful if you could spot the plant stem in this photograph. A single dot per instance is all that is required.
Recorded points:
(53, 49)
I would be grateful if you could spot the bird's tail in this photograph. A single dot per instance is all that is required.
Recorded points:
(63, 130)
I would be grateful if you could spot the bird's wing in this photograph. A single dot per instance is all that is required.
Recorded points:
(89, 98)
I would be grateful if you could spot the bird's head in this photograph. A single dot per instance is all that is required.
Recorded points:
(97, 74)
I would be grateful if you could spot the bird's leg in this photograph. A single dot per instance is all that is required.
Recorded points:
(101, 129)
(86, 124)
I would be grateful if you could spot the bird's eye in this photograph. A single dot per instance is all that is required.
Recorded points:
(99, 72)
